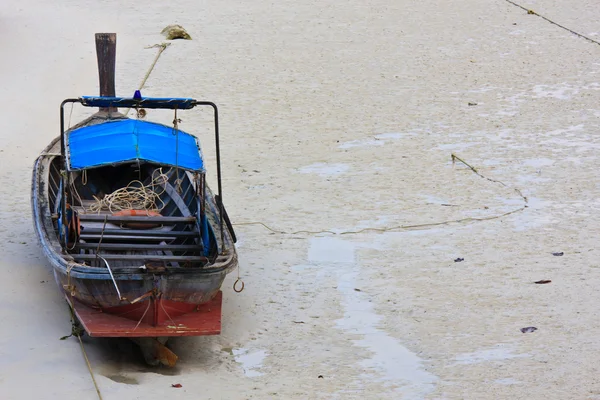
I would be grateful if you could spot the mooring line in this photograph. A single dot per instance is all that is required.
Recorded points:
(87, 361)
(161, 47)
(407, 227)
(530, 11)
(78, 331)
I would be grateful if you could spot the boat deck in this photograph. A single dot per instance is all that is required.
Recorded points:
(133, 239)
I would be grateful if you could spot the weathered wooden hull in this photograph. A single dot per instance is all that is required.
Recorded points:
(151, 299)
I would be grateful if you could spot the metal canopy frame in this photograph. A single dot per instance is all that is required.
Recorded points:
(180, 103)
(148, 102)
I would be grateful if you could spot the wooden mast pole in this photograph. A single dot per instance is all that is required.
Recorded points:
(106, 52)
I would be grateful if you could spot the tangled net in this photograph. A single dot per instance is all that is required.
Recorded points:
(134, 196)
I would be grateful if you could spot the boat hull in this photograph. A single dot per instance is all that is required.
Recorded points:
(137, 300)
(102, 293)
(176, 318)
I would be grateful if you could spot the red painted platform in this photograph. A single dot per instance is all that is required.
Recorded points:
(202, 320)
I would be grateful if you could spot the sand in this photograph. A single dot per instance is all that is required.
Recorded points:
(338, 117)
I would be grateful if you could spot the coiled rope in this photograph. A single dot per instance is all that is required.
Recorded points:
(134, 196)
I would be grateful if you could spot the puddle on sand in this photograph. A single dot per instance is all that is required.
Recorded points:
(392, 135)
(396, 364)
(434, 200)
(361, 143)
(561, 92)
(377, 140)
(534, 216)
(455, 146)
(507, 381)
(324, 169)
(250, 361)
(538, 162)
(330, 250)
(500, 353)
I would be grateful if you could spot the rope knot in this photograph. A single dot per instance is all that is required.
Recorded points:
(70, 289)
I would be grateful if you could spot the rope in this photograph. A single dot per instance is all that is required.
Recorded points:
(388, 229)
(143, 315)
(74, 225)
(399, 227)
(101, 237)
(163, 308)
(529, 11)
(112, 277)
(161, 47)
(87, 361)
(76, 193)
(134, 196)
(176, 122)
(68, 287)
(78, 331)
(238, 280)
(70, 114)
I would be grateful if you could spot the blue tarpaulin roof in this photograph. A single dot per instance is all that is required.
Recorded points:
(128, 140)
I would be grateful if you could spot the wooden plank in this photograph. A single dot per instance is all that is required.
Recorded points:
(145, 257)
(153, 220)
(149, 246)
(126, 239)
(176, 197)
(106, 52)
(137, 232)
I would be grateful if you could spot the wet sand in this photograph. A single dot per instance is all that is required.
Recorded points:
(339, 117)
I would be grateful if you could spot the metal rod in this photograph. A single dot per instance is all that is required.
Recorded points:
(129, 246)
(138, 232)
(220, 189)
(218, 151)
(63, 172)
(62, 186)
(113, 278)
(140, 219)
(101, 236)
(143, 257)
(205, 244)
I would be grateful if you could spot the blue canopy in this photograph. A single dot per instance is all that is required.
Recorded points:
(127, 140)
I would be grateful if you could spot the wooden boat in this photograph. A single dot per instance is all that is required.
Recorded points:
(138, 242)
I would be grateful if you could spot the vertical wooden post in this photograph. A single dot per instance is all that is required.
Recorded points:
(106, 52)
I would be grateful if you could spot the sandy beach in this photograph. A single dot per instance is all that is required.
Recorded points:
(338, 118)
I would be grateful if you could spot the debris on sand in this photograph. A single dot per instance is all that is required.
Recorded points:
(172, 32)
(529, 329)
